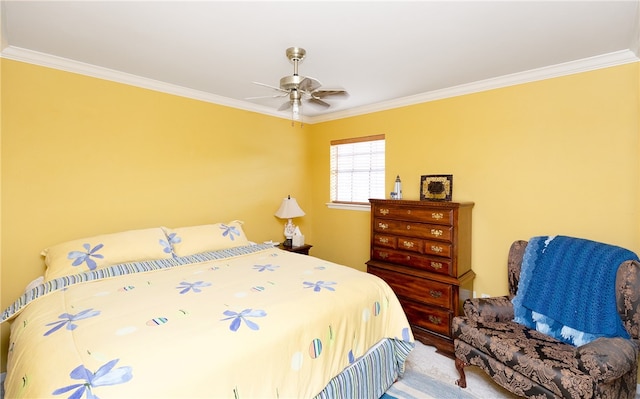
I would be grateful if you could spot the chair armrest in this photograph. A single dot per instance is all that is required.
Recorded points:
(606, 359)
(498, 309)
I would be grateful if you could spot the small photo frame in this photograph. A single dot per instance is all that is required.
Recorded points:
(436, 187)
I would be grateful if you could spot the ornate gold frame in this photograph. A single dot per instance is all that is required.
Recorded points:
(436, 187)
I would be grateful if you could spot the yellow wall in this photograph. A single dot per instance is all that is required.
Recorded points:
(559, 156)
(83, 156)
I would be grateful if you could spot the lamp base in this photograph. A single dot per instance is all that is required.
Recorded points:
(287, 243)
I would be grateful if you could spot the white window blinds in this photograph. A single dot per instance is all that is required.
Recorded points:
(357, 169)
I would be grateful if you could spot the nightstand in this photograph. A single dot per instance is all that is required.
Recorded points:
(302, 249)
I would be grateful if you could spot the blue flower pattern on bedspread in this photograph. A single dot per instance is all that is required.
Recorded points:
(195, 287)
(237, 318)
(319, 285)
(106, 375)
(68, 319)
(82, 257)
(267, 267)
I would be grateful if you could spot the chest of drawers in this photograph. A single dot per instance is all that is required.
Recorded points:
(422, 249)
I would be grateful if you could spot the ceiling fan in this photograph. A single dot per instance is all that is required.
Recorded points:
(299, 88)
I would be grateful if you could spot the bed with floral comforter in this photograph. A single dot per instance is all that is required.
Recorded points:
(251, 321)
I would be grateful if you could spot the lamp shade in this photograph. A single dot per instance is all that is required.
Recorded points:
(289, 208)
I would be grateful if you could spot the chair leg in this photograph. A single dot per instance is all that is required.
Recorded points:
(462, 382)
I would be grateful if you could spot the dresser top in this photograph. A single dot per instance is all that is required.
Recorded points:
(443, 204)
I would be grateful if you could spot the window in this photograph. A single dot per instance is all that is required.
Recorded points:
(357, 169)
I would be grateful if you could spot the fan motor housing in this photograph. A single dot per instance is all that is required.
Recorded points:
(296, 53)
(290, 82)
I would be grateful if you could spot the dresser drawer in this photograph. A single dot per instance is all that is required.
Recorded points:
(430, 318)
(423, 262)
(414, 245)
(415, 288)
(386, 241)
(393, 242)
(421, 214)
(413, 229)
(410, 244)
(437, 248)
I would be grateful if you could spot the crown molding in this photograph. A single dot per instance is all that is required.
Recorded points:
(568, 68)
(553, 71)
(65, 64)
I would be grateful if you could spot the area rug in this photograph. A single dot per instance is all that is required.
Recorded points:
(429, 375)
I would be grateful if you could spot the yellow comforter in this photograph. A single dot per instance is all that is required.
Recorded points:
(270, 324)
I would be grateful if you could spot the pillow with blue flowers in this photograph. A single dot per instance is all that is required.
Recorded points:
(85, 254)
(208, 237)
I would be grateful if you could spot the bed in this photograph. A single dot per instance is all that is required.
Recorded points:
(201, 312)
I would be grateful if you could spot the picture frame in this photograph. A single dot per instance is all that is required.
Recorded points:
(436, 187)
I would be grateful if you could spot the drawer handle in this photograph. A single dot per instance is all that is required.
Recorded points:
(408, 258)
(436, 248)
(383, 255)
(384, 211)
(435, 320)
(436, 232)
(436, 265)
(383, 240)
(408, 211)
(435, 294)
(408, 244)
(437, 215)
(383, 226)
(408, 227)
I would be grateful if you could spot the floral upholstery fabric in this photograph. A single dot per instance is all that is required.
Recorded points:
(534, 365)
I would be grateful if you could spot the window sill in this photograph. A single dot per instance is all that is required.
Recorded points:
(349, 207)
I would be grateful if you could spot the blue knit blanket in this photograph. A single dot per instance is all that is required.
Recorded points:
(567, 288)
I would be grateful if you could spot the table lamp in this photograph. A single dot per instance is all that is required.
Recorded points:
(289, 209)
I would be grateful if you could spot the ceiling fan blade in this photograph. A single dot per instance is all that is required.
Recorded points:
(308, 84)
(317, 101)
(285, 106)
(274, 96)
(269, 86)
(335, 93)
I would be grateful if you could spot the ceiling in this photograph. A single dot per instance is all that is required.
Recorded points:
(384, 53)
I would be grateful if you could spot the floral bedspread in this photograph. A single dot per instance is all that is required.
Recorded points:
(266, 324)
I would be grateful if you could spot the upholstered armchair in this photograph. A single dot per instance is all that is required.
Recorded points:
(534, 365)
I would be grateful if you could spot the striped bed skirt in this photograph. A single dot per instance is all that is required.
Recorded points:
(370, 376)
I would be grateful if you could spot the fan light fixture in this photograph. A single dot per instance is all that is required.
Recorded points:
(296, 104)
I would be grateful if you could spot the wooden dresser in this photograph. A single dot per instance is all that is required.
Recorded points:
(422, 249)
